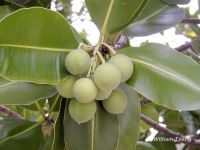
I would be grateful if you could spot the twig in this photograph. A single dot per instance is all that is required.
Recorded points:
(144, 101)
(184, 47)
(170, 132)
(191, 21)
(10, 112)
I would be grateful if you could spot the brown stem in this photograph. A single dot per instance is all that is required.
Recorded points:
(10, 112)
(191, 21)
(170, 132)
(184, 47)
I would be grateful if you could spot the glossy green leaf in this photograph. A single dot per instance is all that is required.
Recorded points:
(38, 54)
(113, 15)
(175, 2)
(165, 76)
(102, 133)
(20, 134)
(106, 131)
(129, 121)
(152, 7)
(58, 131)
(12, 92)
(5, 10)
(161, 20)
(145, 146)
(150, 112)
(30, 3)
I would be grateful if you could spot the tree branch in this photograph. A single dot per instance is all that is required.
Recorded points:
(191, 21)
(10, 112)
(170, 132)
(184, 47)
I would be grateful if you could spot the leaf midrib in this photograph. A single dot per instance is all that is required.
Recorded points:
(105, 23)
(36, 47)
(166, 71)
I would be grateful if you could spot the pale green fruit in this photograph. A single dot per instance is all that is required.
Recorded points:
(82, 112)
(116, 103)
(102, 95)
(107, 77)
(84, 90)
(124, 64)
(65, 88)
(77, 62)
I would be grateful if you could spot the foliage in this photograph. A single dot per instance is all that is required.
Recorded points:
(34, 44)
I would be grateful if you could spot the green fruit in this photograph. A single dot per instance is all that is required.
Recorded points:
(65, 88)
(77, 62)
(82, 112)
(102, 95)
(107, 77)
(84, 90)
(124, 64)
(116, 103)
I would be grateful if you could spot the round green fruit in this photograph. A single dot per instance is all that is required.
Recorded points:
(116, 103)
(65, 87)
(84, 90)
(82, 113)
(77, 62)
(124, 64)
(107, 77)
(102, 95)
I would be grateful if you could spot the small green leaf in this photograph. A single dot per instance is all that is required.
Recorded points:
(20, 134)
(12, 92)
(165, 76)
(39, 52)
(161, 20)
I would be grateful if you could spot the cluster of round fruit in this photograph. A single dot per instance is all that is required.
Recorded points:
(100, 85)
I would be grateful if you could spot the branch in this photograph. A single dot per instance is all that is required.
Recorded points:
(191, 21)
(10, 112)
(184, 47)
(170, 132)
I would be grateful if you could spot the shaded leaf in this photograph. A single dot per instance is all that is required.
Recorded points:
(150, 112)
(12, 92)
(38, 54)
(102, 133)
(145, 146)
(165, 76)
(20, 134)
(163, 144)
(159, 21)
(58, 131)
(33, 107)
(129, 121)
(106, 131)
